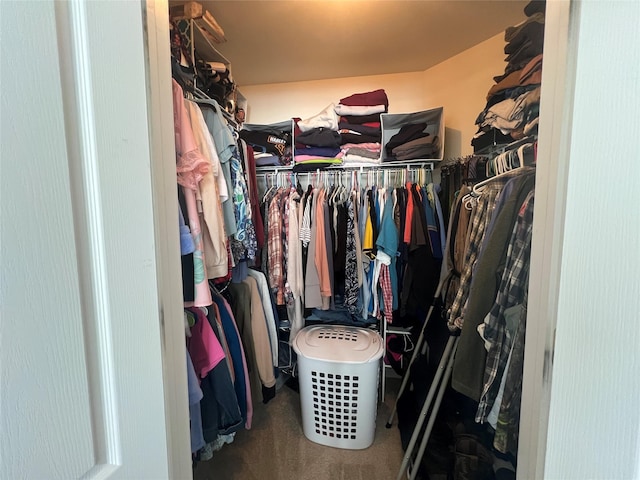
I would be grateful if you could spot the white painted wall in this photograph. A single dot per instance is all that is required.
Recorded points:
(594, 417)
(279, 101)
(459, 84)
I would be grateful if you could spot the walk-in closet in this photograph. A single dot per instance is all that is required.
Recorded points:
(392, 208)
(319, 240)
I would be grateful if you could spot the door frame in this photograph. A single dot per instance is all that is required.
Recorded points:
(552, 173)
(169, 271)
(558, 83)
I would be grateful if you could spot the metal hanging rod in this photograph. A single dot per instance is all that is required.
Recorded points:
(362, 176)
(382, 166)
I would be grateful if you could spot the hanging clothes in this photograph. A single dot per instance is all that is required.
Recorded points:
(468, 368)
(511, 292)
(224, 143)
(477, 225)
(211, 192)
(242, 385)
(191, 167)
(348, 244)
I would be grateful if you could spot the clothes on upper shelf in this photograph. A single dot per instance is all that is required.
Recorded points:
(375, 97)
(363, 154)
(512, 107)
(412, 142)
(272, 146)
(319, 137)
(327, 118)
(360, 116)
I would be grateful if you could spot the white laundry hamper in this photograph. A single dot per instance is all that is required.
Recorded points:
(338, 370)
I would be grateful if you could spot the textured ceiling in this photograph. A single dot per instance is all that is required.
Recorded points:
(285, 41)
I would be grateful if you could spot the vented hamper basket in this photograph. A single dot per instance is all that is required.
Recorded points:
(338, 369)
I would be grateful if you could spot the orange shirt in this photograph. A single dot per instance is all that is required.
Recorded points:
(409, 219)
(321, 260)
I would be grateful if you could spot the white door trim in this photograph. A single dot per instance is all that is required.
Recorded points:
(552, 172)
(169, 271)
(80, 116)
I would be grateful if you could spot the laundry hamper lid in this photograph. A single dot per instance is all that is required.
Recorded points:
(338, 344)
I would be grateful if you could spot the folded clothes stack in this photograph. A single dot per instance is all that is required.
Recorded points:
(271, 147)
(360, 116)
(412, 142)
(328, 138)
(513, 102)
(361, 154)
(317, 141)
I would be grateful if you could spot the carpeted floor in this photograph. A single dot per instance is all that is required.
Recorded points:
(276, 449)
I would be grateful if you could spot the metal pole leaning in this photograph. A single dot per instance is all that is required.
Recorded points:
(434, 411)
(427, 403)
(416, 349)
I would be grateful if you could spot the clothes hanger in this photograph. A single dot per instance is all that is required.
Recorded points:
(269, 189)
(478, 186)
(337, 192)
(344, 195)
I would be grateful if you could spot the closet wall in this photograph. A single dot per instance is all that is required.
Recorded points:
(459, 84)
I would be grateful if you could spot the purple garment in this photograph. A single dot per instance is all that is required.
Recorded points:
(186, 240)
(271, 160)
(195, 395)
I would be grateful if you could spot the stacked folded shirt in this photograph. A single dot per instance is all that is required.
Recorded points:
(328, 138)
(360, 116)
(412, 142)
(317, 141)
(360, 154)
(513, 102)
(271, 147)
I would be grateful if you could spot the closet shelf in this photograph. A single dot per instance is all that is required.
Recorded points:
(204, 47)
(413, 164)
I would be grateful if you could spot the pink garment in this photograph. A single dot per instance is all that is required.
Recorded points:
(373, 146)
(204, 348)
(191, 166)
(247, 424)
(223, 341)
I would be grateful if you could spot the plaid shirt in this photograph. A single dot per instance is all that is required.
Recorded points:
(512, 291)
(387, 293)
(284, 287)
(480, 218)
(274, 246)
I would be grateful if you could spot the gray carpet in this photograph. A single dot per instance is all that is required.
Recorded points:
(276, 449)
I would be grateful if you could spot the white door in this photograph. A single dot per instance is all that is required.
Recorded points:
(82, 392)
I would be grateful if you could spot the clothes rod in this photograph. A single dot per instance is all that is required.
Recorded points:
(338, 171)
